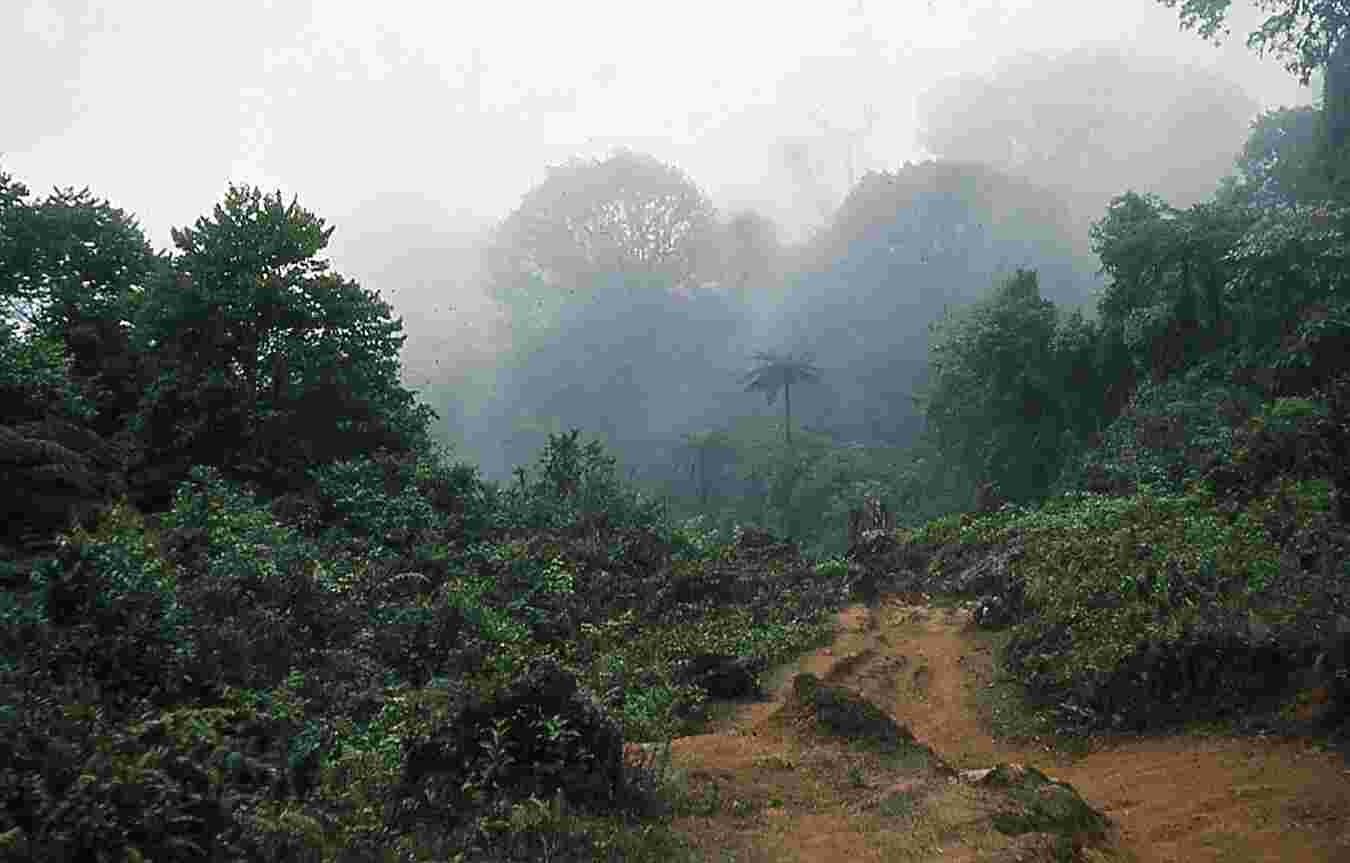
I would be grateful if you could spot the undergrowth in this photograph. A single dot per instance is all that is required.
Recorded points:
(274, 676)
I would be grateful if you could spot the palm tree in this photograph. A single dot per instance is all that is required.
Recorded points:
(779, 372)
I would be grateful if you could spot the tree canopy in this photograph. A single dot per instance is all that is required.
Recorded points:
(591, 219)
(263, 360)
(1302, 33)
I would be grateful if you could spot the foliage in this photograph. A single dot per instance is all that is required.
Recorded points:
(116, 600)
(903, 246)
(1009, 384)
(1129, 599)
(576, 484)
(34, 377)
(1224, 285)
(1168, 272)
(72, 270)
(356, 494)
(1167, 434)
(1280, 161)
(264, 361)
(1301, 34)
(69, 259)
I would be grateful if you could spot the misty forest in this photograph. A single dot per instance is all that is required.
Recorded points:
(289, 574)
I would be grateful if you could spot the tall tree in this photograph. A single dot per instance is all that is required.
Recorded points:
(266, 361)
(621, 317)
(995, 402)
(592, 220)
(903, 246)
(1280, 164)
(780, 372)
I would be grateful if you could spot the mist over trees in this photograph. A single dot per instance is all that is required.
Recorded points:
(1090, 123)
(625, 302)
(632, 308)
(306, 567)
(1073, 210)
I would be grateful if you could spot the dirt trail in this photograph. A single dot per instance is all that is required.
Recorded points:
(775, 792)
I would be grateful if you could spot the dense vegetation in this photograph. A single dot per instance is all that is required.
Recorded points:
(252, 607)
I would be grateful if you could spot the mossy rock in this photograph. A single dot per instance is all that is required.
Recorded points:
(1035, 803)
(843, 713)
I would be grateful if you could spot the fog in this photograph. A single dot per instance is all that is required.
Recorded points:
(419, 129)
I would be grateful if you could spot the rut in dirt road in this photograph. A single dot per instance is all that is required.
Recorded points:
(774, 788)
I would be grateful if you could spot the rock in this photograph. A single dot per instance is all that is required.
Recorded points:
(542, 735)
(721, 675)
(1035, 803)
(990, 574)
(992, 612)
(754, 537)
(846, 714)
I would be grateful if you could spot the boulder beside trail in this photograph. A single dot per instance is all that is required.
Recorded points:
(721, 675)
(1038, 803)
(841, 712)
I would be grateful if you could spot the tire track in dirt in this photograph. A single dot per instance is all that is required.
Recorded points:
(776, 793)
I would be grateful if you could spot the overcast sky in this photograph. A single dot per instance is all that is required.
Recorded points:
(406, 118)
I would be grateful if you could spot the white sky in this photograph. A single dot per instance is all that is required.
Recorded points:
(405, 120)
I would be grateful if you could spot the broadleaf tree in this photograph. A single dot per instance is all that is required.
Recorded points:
(267, 362)
(1002, 386)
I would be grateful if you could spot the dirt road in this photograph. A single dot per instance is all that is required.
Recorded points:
(773, 791)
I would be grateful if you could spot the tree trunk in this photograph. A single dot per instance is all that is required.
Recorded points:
(787, 412)
(703, 475)
(1336, 108)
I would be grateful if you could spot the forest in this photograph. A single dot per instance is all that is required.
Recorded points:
(278, 583)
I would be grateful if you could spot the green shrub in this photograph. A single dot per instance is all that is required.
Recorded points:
(375, 499)
(261, 593)
(576, 485)
(34, 377)
(116, 602)
(1106, 574)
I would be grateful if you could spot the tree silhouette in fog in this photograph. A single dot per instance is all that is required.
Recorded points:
(779, 372)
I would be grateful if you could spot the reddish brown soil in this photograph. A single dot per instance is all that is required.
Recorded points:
(774, 791)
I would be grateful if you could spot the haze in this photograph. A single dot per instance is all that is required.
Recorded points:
(416, 128)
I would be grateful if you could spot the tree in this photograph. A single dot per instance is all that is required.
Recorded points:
(1280, 163)
(1307, 35)
(621, 320)
(779, 372)
(752, 254)
(997, 400)
(591, 220)
(72, 269)
(267, 363)
(903, 246)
